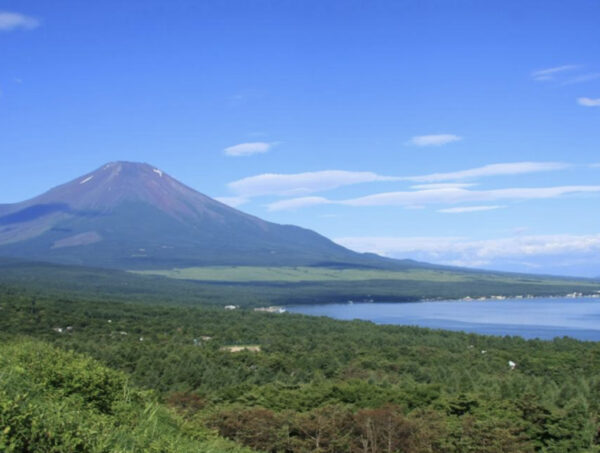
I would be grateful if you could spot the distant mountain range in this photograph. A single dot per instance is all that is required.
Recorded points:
(134, 216)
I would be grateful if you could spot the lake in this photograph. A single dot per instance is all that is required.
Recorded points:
(543, 318)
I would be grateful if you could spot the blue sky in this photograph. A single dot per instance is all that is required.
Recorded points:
(461, 132)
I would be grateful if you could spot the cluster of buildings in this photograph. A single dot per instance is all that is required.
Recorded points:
(272, 309)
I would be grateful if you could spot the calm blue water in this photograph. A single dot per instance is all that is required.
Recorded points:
(531, 318)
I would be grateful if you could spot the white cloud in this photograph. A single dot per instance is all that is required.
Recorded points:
(298, 184)
(563, 75)
(302, 183)
(441, 196)
(582, 78)
(296, 203)
(589, 102)
(398, 246)
(234, 202)
(247, 149)
(463, 209)
(454, 250)
(434, 140)
(451, 196)
(513, 168)
(550, 73)
(14, 21)
(449, 185)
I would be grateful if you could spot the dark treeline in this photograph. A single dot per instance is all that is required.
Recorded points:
(100, 285)
(322, 385)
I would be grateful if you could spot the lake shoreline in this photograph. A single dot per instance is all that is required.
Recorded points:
(571, 296)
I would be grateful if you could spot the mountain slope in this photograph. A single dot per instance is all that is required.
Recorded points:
(132, 215)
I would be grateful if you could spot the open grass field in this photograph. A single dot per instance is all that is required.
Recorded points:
(248, 274)
(297, 274)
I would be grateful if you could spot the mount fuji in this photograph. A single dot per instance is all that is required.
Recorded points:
(133, 216)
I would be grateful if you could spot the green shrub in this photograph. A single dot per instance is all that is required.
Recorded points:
(56, 401)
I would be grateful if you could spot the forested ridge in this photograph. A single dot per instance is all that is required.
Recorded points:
(316, 384)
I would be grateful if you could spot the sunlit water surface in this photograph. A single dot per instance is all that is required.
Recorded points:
(543, 318)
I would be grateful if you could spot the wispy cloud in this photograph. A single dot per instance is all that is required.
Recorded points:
(297, 203)
(234, 202)
(443, 185)
(565, 75)
(466, 209)
(248, 149)
(589, 102)
(476, 253)
(14, 21)
(299, 184)
(550, 73)
(433, 140)
(454, 196)
(582, 78)
(442, 196)
(302, 183)
(513, 168)
(398, 246)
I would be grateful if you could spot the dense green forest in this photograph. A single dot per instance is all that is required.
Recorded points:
(166, 378)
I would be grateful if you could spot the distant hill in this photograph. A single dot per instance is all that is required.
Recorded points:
(134, 216)
(219, 286)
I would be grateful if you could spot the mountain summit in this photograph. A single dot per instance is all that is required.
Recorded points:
(133, 215)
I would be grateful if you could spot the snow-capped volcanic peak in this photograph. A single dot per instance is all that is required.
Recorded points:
(121, 182)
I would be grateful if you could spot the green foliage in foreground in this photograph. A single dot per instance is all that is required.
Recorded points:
(319, 384)
(57, 401)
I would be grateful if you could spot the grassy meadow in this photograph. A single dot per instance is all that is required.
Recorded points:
(298, 274)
